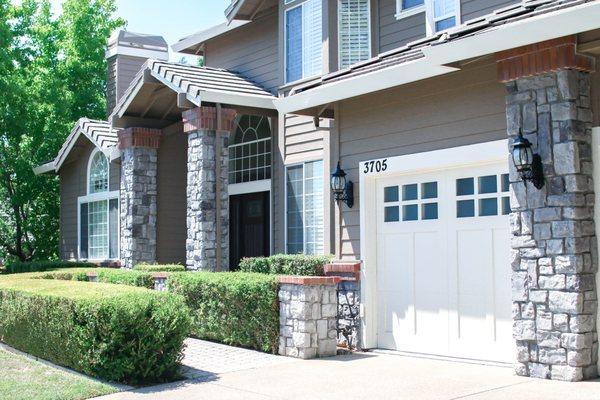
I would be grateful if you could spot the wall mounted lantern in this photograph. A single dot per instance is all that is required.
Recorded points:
(342, 190)
(528, 165)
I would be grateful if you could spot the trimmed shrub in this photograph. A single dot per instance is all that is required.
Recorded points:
(105, 275)
(235, 308)
(118, 333)
(286, 264)
(159, 268)
(19, 267)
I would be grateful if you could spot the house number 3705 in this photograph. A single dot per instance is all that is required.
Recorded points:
(375, 166)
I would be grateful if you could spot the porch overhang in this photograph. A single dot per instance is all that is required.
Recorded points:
(439, 57)
(162, 90)
(194, 44)
(243, 9)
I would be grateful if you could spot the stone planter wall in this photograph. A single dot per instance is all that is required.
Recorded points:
(308, 316)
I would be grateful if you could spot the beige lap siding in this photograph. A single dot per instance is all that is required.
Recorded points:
(463, 108)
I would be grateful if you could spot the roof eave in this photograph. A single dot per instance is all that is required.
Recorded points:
(565, 22)
(49, 167)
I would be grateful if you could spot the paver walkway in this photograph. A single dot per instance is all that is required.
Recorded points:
(205, 360)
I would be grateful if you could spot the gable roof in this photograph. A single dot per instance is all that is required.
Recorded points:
(198, 85)
(513, 26)
(98, 132)
(194, 43)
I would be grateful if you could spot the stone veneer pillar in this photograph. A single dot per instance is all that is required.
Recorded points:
(207, 244)
(308, 316)
(138, 194)
(554, 253)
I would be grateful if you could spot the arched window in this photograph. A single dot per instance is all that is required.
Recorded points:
(250, 149)
(98, 213)
(98, 173)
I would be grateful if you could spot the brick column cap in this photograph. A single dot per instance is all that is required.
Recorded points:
(140, 137)
(309, 280)
(342, 267)
(160, 275)
(205, 118)
(91, 274)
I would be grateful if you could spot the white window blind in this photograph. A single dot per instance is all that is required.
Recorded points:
(354, 32)
(304, 40)
(305, 209)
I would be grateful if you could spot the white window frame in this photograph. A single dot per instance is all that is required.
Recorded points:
(427, 8)
(369, 30)
(107, 196)
(299, 3)
(303, 163)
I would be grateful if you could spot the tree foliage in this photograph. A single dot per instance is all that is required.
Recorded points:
(52, 72)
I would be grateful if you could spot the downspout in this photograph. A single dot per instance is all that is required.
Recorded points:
(218, 155)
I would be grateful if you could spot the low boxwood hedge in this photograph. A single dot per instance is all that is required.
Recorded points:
(115, 332)
(286, 264)
(159, 268)
(235, 308)
(105, 275)
(19, 267)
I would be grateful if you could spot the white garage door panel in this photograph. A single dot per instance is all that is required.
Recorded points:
(444, 281)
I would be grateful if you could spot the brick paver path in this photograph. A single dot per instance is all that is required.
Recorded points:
(205, 360)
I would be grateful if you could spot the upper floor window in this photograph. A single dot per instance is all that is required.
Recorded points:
(439, 14)
(303, 39)
(353, 31)
(98, 173)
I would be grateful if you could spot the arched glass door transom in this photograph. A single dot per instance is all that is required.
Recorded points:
(250, 150)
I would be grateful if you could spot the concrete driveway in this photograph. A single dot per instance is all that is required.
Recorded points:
(369, 376)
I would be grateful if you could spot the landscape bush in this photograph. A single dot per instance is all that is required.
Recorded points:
(159, 268)
(235, 308)
(286, 264)
(105, 275)
(19, 267)
(114, 332)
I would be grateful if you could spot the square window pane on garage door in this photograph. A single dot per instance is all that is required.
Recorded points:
(390, 194)
(410, 192)
(429, 190)
(465, 187)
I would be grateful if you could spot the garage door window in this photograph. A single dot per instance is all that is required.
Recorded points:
(417, 203)
(482, 196)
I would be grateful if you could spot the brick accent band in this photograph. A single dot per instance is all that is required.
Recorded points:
(309, 280)
(541, 58)
(341, 268)
(140, 137)
(205, 118)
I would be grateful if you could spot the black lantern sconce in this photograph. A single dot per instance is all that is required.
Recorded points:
(342, 190)
(528, 165)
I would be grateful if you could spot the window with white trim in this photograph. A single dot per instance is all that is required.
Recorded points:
(303, 39)
(305, 208)
(439, 14)
(98, 213)
(354, 31)
(250, 150)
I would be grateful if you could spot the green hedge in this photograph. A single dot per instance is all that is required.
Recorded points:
(159, 268)
(235, 308)
(20, 267)
(105, 275)
(286, 264)
(118, 333)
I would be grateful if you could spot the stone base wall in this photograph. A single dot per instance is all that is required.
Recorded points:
(308, 317)
(138, 205)
(349, 314)
(554, 256)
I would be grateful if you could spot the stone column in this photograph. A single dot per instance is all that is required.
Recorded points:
(554, 254)
(308, 316)
(138, 194)
(207, 244)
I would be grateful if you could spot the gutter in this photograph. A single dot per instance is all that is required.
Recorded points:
(555, 24)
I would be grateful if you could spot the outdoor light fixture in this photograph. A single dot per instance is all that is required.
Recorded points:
(528, 164)
(342, 190)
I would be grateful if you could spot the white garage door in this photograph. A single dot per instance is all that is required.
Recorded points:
(443, 271)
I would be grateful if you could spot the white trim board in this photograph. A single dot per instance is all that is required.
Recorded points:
(564, 22)
(456, 157)
(263, 185)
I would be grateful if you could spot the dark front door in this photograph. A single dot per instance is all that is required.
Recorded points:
(249, 227)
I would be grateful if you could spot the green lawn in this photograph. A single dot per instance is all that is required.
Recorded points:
(24, 379)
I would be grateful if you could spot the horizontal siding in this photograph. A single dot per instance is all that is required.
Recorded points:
(463, 108)
(470, 9)
(302, 140)
(172, 196)
(251, 50)
(73, 184)
(127, 69)
(395, 33)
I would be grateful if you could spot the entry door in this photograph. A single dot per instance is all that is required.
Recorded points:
(249, 227)
(443, 271)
